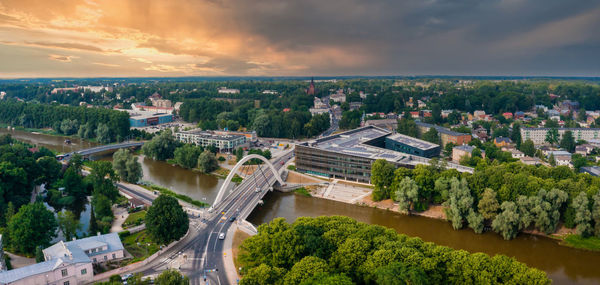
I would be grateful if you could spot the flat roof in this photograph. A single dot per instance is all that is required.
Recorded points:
(413, 142)
(562, 129)
(210, 135)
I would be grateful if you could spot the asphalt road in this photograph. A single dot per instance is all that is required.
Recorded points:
(199, 255)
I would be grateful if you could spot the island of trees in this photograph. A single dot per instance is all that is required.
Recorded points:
(339, 250)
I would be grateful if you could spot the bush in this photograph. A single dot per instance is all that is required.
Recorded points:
(124, 234)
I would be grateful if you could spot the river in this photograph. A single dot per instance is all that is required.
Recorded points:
(564, 265)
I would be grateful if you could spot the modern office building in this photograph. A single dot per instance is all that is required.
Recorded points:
(410, 145)
(349, 155)
(225, 143)
(538, 135)
(446, 135)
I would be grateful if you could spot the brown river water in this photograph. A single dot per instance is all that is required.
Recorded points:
(564, 265)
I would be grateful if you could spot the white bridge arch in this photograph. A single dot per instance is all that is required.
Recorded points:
(232, 173)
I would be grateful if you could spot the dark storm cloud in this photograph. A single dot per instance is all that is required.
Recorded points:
(435, 36)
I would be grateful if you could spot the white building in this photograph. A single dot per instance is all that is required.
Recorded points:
(272, 92)
(318, 111)
(538, 135)
(563, 158)
(225, 90)
(205, 138)
(68, 263)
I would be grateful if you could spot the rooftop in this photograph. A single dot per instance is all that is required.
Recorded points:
(413, 142)
(210, 135)
(30, 270)
(465, 147)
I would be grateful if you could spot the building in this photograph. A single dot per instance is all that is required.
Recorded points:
(164, 103)
(562, 157)
(502, 142)
(530, 160)
(68, 263)
(319, 111)
(592, 170)
(139, 119)
(225, 90)
(349, 155)
(338, 97)
(355, 105)
(538, 135)
(446, 135)
(250, 136)
(270, 92)
(224, 143)
(311, 88)
(460, 151)
(388, 124)
(410, 145)
(515, 153)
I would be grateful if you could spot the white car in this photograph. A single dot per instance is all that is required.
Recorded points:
(222, 236)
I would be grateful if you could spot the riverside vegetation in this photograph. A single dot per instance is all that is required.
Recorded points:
(340, 250)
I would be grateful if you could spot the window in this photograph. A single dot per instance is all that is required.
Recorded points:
(66, 283)
(105, 258)
(83, 271)
(114, 256)
(64, 272)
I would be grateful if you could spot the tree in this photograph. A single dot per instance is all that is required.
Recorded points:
(239, 154)
(186, 156)
(127, 166)
(93, 229)
(103, 133)
(32, 226)
(407, 126)
(552, 160)
(69, 127)
(432, 136)
(39, 254)
(528, 148)
(436, 112)
(459, 204)
(207, 162)
(262, 274)
(382, 176)
(161, 147)
(50, 169)
(262, 125)
(305, 269)
(515, 135)
(406, 194)
(583, 216)
(101, 184)
(568, 142)
(596, 214)
(475, 221)
(508, 221)
(68, 224)
(166, 221)
(552, 135)
(448, 148)
(397, 273)
(73, 183)
(172, 277)
(488, 205)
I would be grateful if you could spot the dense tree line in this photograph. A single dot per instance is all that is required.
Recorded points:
(340, 250)
(510, 197)
(105, 124)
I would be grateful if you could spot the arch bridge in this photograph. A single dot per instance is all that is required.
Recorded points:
(245, 183)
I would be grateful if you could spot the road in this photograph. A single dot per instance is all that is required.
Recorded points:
(199, 255)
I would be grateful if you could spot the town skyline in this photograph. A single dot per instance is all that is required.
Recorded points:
(297, 38)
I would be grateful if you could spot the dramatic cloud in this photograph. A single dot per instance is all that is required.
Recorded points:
(298, 37)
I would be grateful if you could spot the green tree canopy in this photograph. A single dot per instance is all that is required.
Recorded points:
(207, 162)
(166, 221)
(32, 226)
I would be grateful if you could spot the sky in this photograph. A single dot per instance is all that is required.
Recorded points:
(114, 38)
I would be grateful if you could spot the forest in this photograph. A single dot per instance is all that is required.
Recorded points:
(340, 250)
(105, 125)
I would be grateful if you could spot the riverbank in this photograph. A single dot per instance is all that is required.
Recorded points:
(360, 194)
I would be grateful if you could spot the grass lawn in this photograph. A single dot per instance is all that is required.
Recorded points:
(238, 238)
(134, 219)
(140, 246)
(302, 191)
(576, 241)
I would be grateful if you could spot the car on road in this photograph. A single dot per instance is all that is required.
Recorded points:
(222, 236)
(232, 219)
(257, 190)
(126, 276)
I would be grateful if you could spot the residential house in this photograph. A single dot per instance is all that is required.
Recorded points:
(68, 263)
(592, 170)
(584, 149)
(562, 157)
(446, 135)
(460, 151)
(502, 142)
(507, 115)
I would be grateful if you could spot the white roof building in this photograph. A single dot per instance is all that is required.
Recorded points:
(68, 263)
